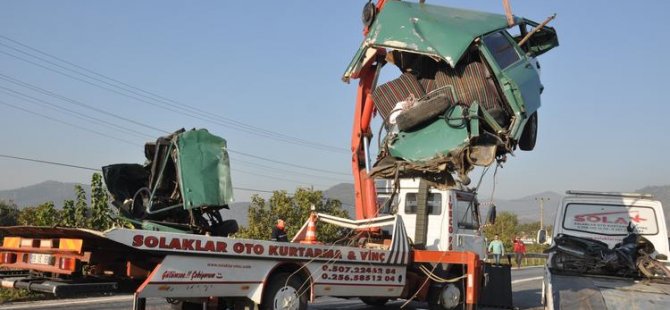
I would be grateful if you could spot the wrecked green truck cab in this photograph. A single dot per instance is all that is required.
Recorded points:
(183, 185)
(467, 93)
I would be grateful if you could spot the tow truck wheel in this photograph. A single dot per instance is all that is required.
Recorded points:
(450, 297)
(284, 292)
(374, 301)
(183, 305)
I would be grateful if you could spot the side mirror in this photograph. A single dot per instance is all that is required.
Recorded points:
(541, 236)
(491, 215)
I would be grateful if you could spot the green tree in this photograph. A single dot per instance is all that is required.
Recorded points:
(28, 216)
(294, 210)
(100, 217)
(42, 215)
(9, 213)
(505, 227)
(67, 215)
(528, 230)
(76, 213)
(81, 210)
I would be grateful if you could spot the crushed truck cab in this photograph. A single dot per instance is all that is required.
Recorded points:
(468, 91)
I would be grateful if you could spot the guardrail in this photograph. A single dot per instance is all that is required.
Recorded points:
(527, 255)
(529, 259)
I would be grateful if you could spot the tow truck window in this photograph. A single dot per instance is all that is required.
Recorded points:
(466, 214)
(502, 49)
(433, 203)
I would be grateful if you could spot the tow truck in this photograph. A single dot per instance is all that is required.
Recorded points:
(195, 261)
(422, 243)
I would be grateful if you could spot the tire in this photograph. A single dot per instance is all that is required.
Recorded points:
(225, 228)
(282, 292)
(421, 113)
(436, 302)
(529, 134)
(375, 301)
(140, 202)
(184, 305)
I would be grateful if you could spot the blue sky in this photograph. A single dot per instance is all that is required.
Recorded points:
(276, 65)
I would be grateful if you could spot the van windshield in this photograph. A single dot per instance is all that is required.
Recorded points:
(609, 219)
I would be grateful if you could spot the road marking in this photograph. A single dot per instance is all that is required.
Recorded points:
(526, 280)
(34, 304)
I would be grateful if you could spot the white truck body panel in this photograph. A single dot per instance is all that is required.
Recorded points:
(202, 266)
(197, 276)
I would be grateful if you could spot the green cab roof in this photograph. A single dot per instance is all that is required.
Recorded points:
(438, 31)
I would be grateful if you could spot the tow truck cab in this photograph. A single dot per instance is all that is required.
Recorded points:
(451, 221)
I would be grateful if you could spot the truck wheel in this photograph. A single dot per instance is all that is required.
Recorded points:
(283, 292)
(374, 301)
(183, 305)
(451, 297)
(529, 134)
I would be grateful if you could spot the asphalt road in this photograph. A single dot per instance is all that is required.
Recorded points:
(526, 287)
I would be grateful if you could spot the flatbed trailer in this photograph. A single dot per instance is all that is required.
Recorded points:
(604, 292)
(247, 273)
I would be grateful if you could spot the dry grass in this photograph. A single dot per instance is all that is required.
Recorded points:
(7, 295)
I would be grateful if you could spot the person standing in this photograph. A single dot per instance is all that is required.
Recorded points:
(279, 232)
(497, 248)
(519, 251)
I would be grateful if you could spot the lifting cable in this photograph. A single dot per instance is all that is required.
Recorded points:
(439, 279)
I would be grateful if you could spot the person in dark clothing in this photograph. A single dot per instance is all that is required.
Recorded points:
(279, 232)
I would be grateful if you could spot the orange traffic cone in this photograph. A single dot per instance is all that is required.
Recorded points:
(310, 234)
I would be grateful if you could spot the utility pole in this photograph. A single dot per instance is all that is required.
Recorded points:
(541, 199)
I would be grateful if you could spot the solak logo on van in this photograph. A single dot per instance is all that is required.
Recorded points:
(609, 219)
(619, 217)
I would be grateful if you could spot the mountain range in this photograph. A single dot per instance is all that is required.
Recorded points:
(527, 208)
(37, 194)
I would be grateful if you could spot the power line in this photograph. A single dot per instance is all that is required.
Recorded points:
(43, 91)
(275, 178)
(237, 160)
(199, 113)
(285, 163)
(66, 123)
(87, 82)
(47, 162)
(78, 103)
(253, 190)
(75, 102)
(262, 191)
(92, 119)
(98, 170)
